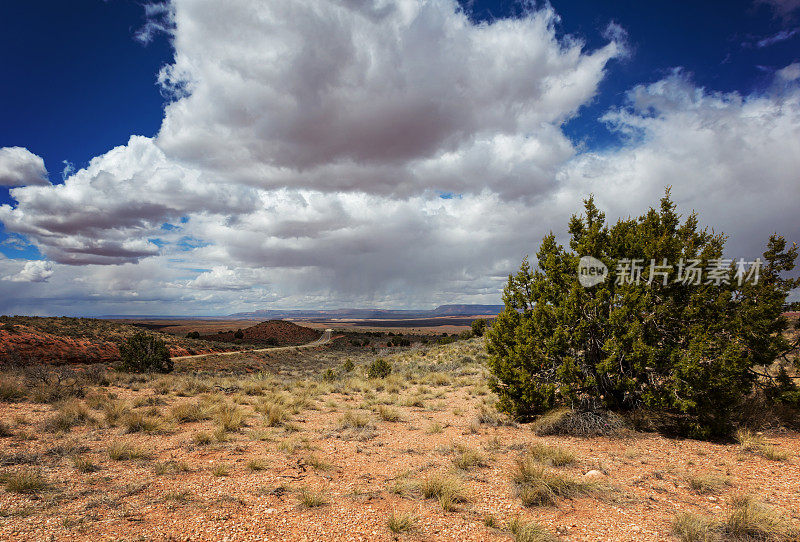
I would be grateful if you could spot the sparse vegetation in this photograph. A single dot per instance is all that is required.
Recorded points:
(755, 443)
(748, 520)
(537, 486)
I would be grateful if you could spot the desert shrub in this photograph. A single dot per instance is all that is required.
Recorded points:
(145, 353)
(478, 327)
(239, 334)
(379, 368)
(193, 335)
(662, 342)
(348, 365)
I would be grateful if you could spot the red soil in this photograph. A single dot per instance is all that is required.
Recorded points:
(27, 345)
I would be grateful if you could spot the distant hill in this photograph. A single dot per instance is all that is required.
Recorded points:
(272, 332)
(374, 314)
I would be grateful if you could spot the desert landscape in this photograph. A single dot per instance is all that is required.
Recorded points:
(330, 442)
(400, 270)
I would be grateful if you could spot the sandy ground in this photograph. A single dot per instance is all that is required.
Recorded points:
(248, 485)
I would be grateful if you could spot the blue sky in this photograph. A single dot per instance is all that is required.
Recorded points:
(79, 80)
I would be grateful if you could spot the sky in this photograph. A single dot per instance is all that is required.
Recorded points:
(193, 157)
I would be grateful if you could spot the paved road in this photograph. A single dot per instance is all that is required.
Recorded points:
(326, 338)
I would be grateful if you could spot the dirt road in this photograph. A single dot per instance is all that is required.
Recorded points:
(325, 338)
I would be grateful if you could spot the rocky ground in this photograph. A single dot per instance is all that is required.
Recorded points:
(293, 451)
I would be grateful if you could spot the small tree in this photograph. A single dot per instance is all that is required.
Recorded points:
(239, 334)
(478, 327)
(695, 350)
(145, 353)
(379, 368)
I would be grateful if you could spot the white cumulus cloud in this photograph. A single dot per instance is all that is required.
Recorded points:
(33, 271)
(20, 167)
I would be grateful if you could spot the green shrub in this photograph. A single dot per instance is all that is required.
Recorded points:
(379, 368)
(478, 327)
(690, 350)
(145, 353)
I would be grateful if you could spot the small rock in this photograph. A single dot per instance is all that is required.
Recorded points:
(594, 473)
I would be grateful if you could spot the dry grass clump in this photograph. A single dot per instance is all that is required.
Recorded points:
(257, 465)
(529, 532)
(756, 444)
(401, 523)
(114, 411)
(275, 414)
(468, 458)
(124, 451)
(138, 422)
(748, 521)
(565, 421)
(170, 467)
(445, 489)
(707, 483)
(229, 418)
(551, 455)
(203, 438)
(221, 469)
(317, 462)
(26, 481)
(70, 414)
(11, 389)
(357, 425)
(311, 498)
(188, 412)
(84, 465)
(434, 428)
(491, 416)
(388, 414)
(537, 486)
